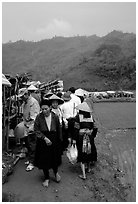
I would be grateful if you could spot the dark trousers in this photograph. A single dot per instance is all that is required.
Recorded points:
(30, 144)
(46, 172)
(65, 139)
(67, 133)
(94, 150)
(94, 132)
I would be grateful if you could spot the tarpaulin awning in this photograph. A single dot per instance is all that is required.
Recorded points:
(5, 81)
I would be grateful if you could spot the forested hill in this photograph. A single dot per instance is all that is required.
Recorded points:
(93, 63)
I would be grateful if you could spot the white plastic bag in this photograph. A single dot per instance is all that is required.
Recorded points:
(72, 154)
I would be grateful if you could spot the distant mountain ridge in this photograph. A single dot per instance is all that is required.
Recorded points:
(93, 63)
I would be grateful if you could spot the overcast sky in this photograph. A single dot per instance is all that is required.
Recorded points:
(40, 20)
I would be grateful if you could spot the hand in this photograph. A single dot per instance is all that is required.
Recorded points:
(48, 142)
(76, 125)
(29, 119)
(66, 126)
(74, 142)
(69, 139)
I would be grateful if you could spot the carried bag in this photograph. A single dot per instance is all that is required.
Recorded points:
(72, 154)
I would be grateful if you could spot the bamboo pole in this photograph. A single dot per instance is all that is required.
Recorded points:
(4, 119)
(8, 124)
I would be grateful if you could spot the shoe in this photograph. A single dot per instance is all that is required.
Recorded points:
(58, 178)
(27, 162)
(30, 167)
(45, 183)
(82, 177)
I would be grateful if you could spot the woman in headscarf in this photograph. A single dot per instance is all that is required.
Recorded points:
(48, 146)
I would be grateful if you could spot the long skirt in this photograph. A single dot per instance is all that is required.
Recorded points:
(47, 157)
(84, 157)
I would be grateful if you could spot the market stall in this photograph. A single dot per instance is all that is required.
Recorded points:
(5, 121)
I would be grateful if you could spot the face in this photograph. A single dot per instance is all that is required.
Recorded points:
(54, 104)
(33, 94)
(46, 110)
(25, 97)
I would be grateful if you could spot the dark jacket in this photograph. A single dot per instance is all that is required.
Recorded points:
(47, 157)
(82, 157)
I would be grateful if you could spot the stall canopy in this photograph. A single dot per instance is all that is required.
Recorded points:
(34, 83)
(128, 92)
(5, 81)
(110, 92)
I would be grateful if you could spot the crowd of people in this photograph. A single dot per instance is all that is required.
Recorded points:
(51, 124)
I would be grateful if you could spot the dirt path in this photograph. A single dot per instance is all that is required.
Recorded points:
(104, 183)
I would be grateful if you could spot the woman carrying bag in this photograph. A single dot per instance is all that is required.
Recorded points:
(84, 134)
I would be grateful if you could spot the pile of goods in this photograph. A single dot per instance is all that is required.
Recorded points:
(8, 162)
(12, 114)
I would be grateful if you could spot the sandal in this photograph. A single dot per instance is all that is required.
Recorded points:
(58, 178)
(30, 167)
(82, 177)
(26, 163)
(45, 183)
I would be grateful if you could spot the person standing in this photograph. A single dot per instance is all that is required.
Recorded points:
(55, 105)
(35, 93)
(81, 96)
(76, 100)
(30, 109)
(48, 145)
(68, 113)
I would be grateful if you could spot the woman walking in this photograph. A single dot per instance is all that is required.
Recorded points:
(84, 134)
(48, 146)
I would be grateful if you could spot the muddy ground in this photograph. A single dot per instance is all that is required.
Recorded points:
(112, 179)
(106, 183)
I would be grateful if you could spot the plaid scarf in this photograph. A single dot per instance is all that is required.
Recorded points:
(86, 147)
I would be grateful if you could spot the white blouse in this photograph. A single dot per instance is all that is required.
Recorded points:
(48, 121)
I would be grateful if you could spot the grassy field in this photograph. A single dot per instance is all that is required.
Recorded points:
(116, 115)
(119, 123)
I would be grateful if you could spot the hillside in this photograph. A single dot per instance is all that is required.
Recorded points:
(93, 63)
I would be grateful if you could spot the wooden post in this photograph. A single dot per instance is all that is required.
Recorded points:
(8, 124)
(3, 120)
